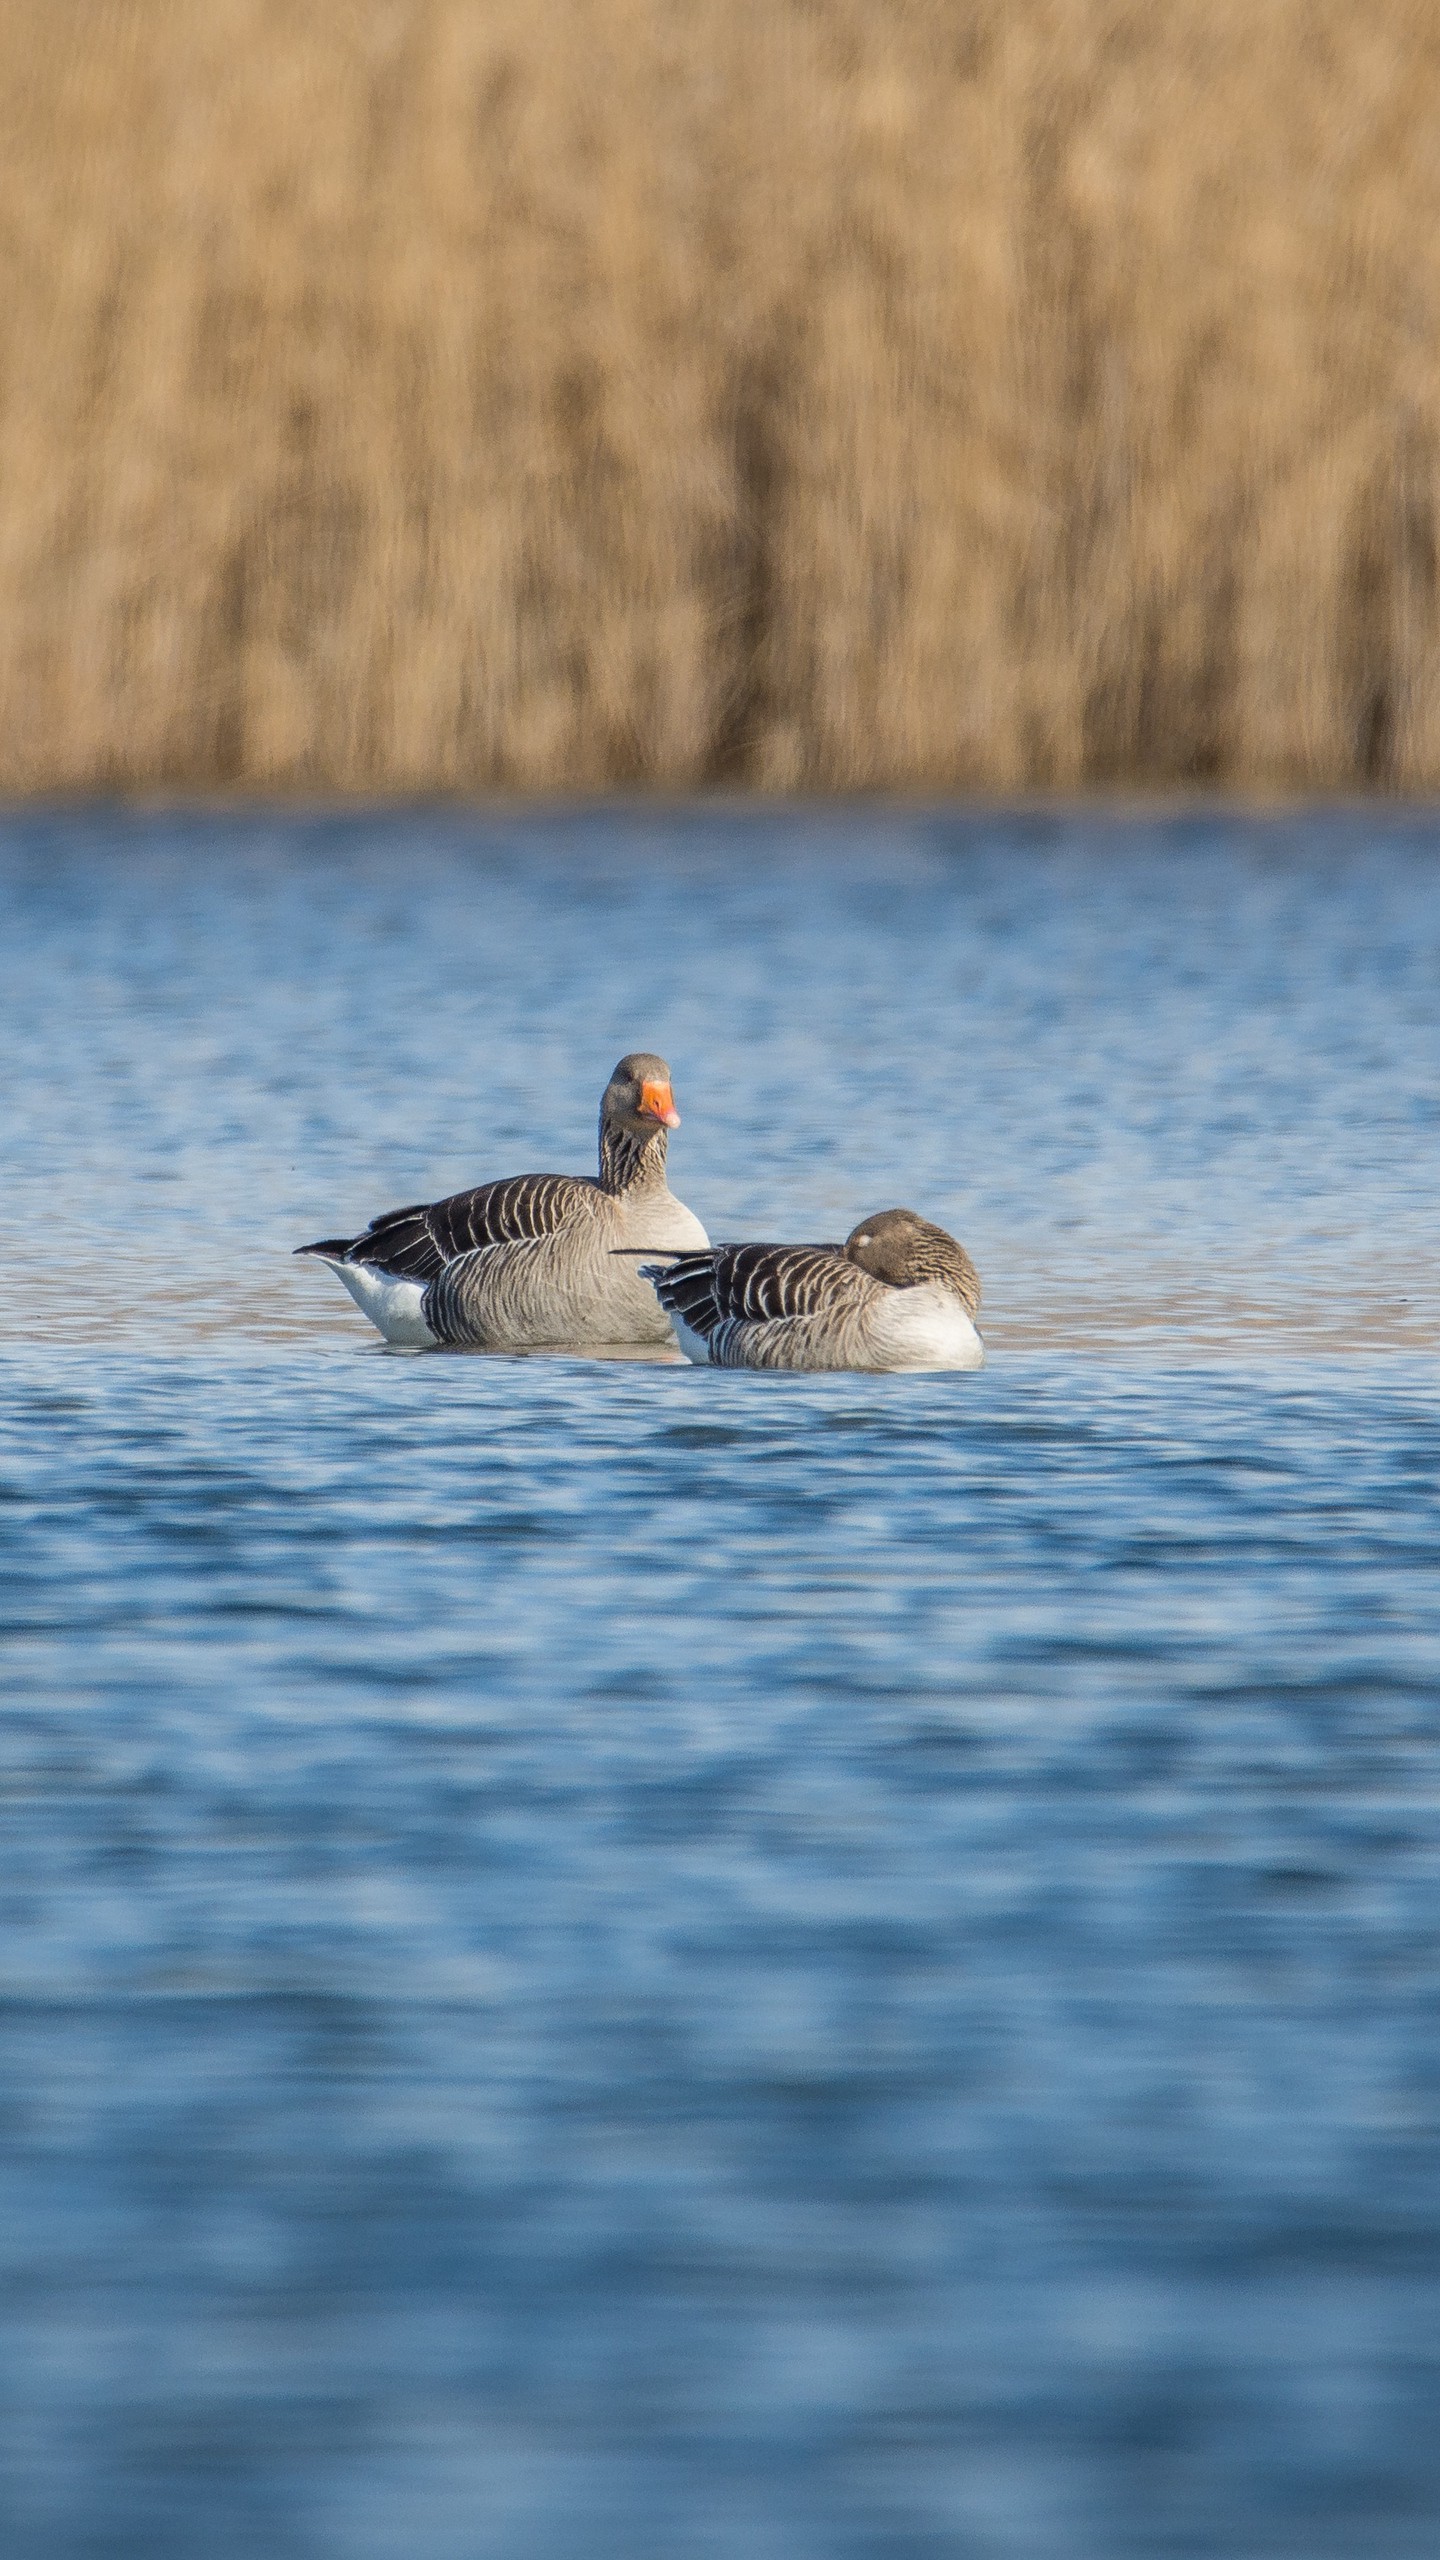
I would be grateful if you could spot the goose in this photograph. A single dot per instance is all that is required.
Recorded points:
(541, 1261)
(897, 1294)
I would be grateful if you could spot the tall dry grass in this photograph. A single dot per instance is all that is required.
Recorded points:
(460, 393)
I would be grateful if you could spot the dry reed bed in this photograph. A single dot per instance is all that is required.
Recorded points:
(422, 393)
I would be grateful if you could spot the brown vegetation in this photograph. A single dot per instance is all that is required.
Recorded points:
(828, 393)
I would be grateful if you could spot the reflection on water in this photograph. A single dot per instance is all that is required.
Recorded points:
(599, 1958)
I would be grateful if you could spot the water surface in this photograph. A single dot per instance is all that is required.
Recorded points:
(599, 1958)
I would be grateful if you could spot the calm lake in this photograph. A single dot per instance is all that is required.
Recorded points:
(608, 1962)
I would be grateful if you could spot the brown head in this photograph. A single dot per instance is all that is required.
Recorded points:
(907, 1251)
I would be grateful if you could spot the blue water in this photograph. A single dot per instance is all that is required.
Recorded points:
(600, 1960)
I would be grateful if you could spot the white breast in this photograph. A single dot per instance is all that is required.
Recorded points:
(659, 1220)
(924, 1328)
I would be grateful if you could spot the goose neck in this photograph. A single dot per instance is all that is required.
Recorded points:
(631, 1162)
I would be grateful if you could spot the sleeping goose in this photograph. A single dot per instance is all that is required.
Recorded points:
(544, 1260)
(898, 1294)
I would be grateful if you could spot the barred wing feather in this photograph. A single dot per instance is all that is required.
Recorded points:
(417, 1243)
(757, 1282)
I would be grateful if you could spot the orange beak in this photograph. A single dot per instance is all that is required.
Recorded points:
(657, 1102)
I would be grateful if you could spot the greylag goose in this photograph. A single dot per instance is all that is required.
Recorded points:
(544, 1260)
(898, 1294)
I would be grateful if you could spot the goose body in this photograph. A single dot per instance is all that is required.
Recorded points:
(898, 1294)
(538, 1261)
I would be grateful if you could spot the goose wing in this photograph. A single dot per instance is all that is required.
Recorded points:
(756, 1283)
(417, 1243)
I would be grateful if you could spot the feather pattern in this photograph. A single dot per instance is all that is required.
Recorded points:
(817, 1306)
(416, 1243)
(747, 1281)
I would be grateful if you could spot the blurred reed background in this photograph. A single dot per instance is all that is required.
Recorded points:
(411, 394)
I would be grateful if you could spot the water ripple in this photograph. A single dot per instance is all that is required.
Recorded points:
(603, 1959)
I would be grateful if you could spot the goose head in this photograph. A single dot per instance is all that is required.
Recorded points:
(908, 1252)
(637, 1111)
(638, 1098)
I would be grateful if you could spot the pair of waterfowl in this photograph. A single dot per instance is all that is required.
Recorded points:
(548, 1261)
